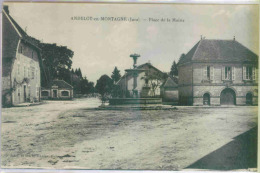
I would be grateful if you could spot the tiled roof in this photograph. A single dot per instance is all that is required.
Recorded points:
(207, 50)
(24, 35)
(61, 84)
(170, 83)
(143, 66)
(12, 33)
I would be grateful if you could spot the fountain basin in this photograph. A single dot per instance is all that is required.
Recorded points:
(125, 101)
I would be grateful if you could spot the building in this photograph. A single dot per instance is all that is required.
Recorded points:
(21, 59)
(218, 72)
(148, 81)
(169, 91)
(57, 90)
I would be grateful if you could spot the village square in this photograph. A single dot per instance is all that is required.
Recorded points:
(200, 114)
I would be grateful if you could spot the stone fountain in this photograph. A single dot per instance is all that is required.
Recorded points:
(135, 93)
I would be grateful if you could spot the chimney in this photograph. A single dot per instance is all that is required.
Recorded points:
(200, 37)
(234, 38)
(6, 9)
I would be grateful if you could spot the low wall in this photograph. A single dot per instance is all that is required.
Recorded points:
(122, 101)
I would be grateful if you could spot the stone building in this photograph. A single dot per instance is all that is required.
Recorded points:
(21, 59)
(218, 72)
(144, 89)
(57, 90)
(169, 91)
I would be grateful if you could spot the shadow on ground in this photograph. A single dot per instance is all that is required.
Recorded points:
(241, 153)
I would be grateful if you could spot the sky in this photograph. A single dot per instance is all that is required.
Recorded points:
(99, 46)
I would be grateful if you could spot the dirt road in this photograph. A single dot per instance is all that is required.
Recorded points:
(65, 134)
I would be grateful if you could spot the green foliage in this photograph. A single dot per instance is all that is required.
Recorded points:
(116, 75)
(104, 87)
(182, 57)
(154, 80)
(174, 69)
(57, 61)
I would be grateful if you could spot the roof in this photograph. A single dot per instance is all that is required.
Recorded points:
(142, 66)
(11, 34)
(60, 84)
(170, 83)
(208, 50)
(21, 32)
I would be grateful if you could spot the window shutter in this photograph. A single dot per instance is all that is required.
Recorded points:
(205, 73)
(211, 73)
(233, 73)
(254, 73)
(223, 73)
(244, 72)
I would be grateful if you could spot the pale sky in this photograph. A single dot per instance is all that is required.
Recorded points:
(99, 46)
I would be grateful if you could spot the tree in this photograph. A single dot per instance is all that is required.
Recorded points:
(116, 75)
(174, 69)
(57, 61)
(155, 80)
(104, 87)
(181, 57)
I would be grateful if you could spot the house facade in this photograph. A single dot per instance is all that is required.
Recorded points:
(20, 64)
(147, 76)
(218, 72)
(57, 90)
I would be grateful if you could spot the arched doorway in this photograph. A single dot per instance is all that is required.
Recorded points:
(206, 99)
(249, 99)
(228, 97)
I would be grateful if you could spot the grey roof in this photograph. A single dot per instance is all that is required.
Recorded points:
(207, 50)
(170, 83)
(61, 84)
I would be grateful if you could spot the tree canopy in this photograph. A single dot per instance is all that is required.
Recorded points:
(104, 87)
(116, 75)
(174, 69)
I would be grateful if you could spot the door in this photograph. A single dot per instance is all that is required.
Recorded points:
(55, 93)
(206, 99)
(24, 93)
(249, 99)
(228, 97)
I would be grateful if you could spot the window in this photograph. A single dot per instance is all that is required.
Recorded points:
(227, 73)
(249, 73)
(18, 69)
(28, 72)
(65, 93)
(24, 71)
(32, 72)
(208, 73)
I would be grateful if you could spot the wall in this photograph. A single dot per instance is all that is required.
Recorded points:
(24, 67)
(185, 84)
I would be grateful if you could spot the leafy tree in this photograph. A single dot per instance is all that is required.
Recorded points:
(154, 80)
(57, 61)
(104, 87)
(116, 75)
(174, 69)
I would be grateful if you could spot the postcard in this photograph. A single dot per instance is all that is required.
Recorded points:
(129, 86)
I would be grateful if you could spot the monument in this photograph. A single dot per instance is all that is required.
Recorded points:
(134, 96)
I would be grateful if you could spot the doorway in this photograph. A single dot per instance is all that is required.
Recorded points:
(228, 97)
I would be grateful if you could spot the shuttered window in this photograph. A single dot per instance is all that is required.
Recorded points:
(211, 73)
(249, 73)
(208, 73)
